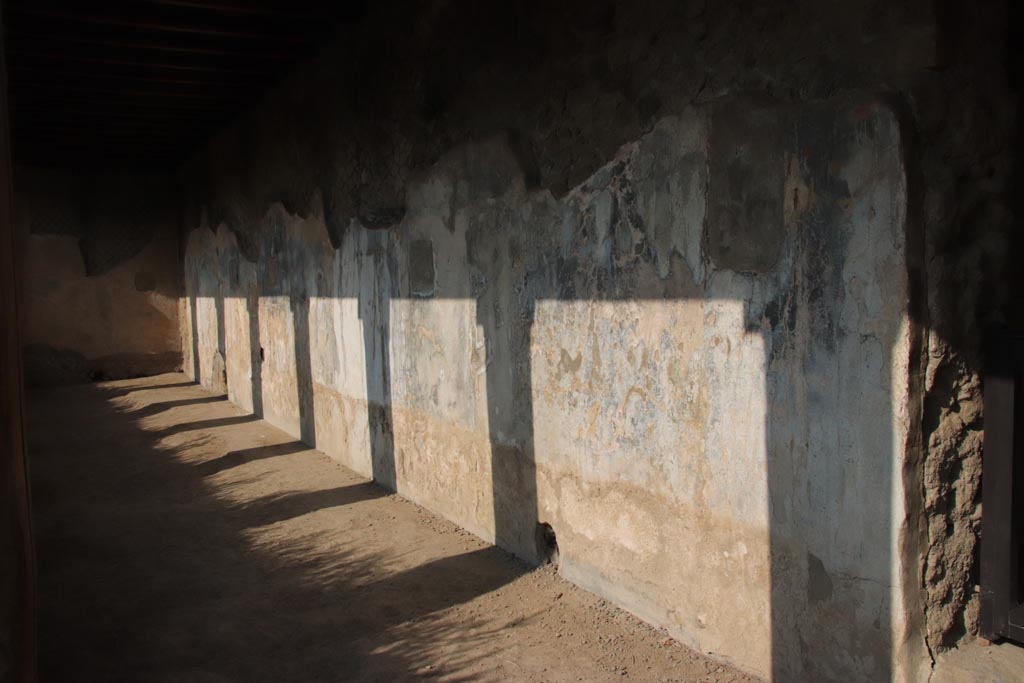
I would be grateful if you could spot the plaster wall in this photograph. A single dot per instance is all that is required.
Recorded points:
(696, 366)
(98, 285)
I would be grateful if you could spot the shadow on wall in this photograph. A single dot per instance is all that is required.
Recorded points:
(201, 594)
(778, 259)
(374, 305)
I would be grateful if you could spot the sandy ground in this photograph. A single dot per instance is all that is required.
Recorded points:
(978, 661)
(181, 540)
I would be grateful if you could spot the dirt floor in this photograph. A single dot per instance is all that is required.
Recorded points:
(181, 540)
(978, 661)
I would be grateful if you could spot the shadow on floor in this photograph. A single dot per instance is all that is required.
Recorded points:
(207, 424)
(124, 391)
(280, 507)
(149, 572)
(154, 408)
(233, 459)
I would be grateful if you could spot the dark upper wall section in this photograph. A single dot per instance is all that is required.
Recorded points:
(113, 215)
(567, 82)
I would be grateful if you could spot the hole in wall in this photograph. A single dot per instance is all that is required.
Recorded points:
(547, 544)
(262, 357)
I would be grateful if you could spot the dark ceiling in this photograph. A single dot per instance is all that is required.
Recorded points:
(99, 84)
